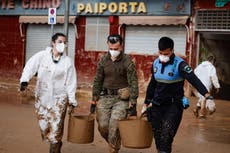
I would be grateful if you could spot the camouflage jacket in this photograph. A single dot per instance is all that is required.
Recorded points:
(116, 75)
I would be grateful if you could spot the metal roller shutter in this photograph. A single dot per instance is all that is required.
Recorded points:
(39, 37)
(144, 39)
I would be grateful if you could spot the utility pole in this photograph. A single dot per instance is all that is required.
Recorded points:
(66, 24)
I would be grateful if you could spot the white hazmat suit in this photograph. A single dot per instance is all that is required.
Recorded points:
(55, 90)
(206, 72)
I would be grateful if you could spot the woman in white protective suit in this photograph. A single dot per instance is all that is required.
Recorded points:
(206, 72)
(55, 89)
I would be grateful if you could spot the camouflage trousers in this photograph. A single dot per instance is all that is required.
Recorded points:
(51, 120)
(110, 109)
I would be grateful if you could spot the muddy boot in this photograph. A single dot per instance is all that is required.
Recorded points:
(158, 151)
(56, 147)
(113, 150)
(196, 111)
(202, 114)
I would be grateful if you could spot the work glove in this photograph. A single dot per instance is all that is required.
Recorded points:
(210, 106)
(23, 86)
(71, 109)
(132, 111)
(217, 90)
(144, 109)
(92, 108)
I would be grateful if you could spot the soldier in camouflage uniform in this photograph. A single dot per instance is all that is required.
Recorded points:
(115, 91)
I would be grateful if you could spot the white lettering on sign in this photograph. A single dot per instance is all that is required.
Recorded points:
(31, 4)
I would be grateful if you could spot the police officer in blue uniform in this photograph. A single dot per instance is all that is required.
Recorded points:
(165, 92)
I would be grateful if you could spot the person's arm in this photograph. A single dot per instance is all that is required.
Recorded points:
(187, 72)
(214, 78)
(150, 89)
(71, 85)
(98, 81)
(133, 82)
(31, 68)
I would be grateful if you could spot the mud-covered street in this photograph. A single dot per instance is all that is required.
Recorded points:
(20, 133)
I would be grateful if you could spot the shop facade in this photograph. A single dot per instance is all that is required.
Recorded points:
(211, 36)
(25, 30)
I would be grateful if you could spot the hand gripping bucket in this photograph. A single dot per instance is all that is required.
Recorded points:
(80, 129)
(135, 133)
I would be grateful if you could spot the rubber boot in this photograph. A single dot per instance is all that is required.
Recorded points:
(196, 111)
(158, 151)
(113, 150)
(56, 147)
(202, 114)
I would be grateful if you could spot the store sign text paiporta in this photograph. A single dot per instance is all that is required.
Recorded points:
(86, 8)
(113, 7)
(97, 7)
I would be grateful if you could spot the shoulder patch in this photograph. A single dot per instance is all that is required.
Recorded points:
(187, 69)
(155, 69)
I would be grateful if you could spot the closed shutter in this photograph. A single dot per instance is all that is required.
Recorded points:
(39, 37)
(144, 39)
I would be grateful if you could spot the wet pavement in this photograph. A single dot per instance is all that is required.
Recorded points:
(19, 132)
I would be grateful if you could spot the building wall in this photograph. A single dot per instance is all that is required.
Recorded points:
(12, 53)
(86, 61)
(213, 42)
(11, 47)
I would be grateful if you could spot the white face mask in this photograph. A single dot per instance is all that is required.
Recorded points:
(60, 47)
(114, 53)
(163, 58)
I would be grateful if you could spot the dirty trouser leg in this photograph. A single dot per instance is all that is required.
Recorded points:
(51, 122)
(110, 109)
(166, 129)
(198, 106)
(203, 108)
(56, 147)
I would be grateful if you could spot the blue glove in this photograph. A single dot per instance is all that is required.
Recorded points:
(185, 102)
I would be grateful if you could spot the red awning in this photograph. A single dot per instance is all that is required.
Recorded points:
(153, 20)
(44, 19)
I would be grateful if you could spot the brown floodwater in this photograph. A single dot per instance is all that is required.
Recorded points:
(19, 132)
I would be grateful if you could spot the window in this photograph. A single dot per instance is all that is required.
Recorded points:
(97, 31)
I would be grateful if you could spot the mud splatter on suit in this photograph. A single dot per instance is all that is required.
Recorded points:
(55, 90)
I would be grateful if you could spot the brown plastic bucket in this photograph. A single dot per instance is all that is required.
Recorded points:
(135, 133)
(80, 129)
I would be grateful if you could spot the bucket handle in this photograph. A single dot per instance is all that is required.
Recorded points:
(90, 114)
(88, 117)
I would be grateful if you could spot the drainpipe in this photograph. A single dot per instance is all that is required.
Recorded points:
(66, 23)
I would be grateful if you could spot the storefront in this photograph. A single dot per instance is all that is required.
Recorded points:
(38, 33)
(141, 24)
(212, 37)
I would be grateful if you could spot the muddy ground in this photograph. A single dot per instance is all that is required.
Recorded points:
(19, 132)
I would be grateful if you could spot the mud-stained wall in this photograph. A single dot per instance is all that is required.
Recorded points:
(11, 47)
